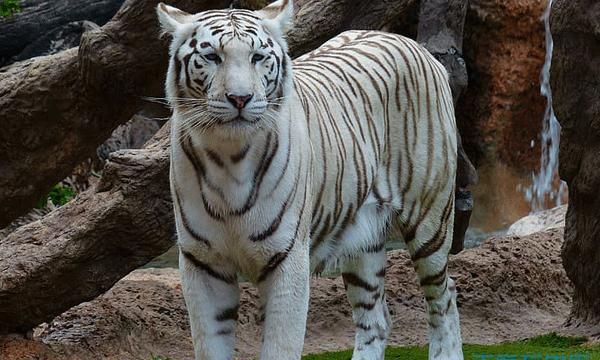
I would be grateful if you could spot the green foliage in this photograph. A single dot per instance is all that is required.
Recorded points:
(551, 344)
(555, 340)
(9, 7)
(59, 195)
(160, 357)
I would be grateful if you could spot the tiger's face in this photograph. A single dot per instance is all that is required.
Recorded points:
(228, 68)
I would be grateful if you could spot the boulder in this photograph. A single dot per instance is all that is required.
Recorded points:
(540, 221)
(502, 110)
(575, 80)
(56, 40)
(41, 20)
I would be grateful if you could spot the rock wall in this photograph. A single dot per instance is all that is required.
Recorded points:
(502, 109)
(575, 84)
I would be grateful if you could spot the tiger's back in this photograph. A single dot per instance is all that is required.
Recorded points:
(382, 128)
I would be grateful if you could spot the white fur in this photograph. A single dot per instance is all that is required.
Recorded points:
(348, 155)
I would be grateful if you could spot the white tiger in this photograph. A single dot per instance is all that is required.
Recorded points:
(279, 168)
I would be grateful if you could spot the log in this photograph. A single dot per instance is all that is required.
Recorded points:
(80, 250)
(440, 30)
(318, 21)
(54, 117)
(38, 17)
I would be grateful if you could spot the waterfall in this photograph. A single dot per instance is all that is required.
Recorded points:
(544, 188)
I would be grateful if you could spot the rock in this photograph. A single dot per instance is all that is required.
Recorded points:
(131, 135)
(56, 40)
(509, 288)
(575, 81)
(540, 221)
(502, 110)
(83, 248)
(43, 20)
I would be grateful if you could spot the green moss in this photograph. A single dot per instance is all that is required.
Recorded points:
(160, 357)
(550, 346)
(59, 195)
(9, 7)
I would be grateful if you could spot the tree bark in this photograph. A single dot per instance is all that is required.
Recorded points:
(318, 21)
(53, 117)
(82, 249)
(37, 17)
(575, 80)
(440, 30)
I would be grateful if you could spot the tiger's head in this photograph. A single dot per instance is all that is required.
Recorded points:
(228, 68)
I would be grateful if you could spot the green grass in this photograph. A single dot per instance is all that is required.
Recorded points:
(548, 347)
(9, 7)
(60, 195)
(160, 357)
(545, 345)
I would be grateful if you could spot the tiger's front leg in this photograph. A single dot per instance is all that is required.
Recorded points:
(285, 290)
(212, 299)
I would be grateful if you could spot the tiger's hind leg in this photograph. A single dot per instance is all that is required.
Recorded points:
(364, 280)
(429, 243)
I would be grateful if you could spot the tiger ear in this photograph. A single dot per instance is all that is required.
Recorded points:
(279, 15)
(171, 18)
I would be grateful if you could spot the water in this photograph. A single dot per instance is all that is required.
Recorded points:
(546, 188)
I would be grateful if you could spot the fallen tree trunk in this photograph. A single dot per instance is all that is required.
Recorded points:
(79, 251)
(53, 117)
(38, 17)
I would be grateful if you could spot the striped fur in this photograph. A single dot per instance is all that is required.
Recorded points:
(279, 168)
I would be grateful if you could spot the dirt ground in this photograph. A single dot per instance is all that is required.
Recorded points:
(509, 288)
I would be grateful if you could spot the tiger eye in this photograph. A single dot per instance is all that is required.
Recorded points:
(205, 44)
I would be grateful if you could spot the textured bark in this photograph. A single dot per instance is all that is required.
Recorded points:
(37, 17)
(56, 110)
(440, 30)
(318, 21)
(81, 249)
(575, 81)
(56, 116)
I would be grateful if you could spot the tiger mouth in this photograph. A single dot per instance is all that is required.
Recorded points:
(239, 120)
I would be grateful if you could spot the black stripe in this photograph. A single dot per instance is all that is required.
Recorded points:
(228, 314)
(224, 332)
(277, 221)
(435, 279)
(356, 281)
(363, 326)
(370, 341)
(362, 305)
(229, 279)
(236, 158)
(214, 157)
(435, 243)
(186, 223)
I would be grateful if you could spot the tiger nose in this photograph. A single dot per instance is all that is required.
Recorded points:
(239, 101)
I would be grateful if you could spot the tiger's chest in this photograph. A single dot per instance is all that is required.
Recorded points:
(241, 205)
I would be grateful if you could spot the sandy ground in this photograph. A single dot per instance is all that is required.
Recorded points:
(510, 288)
